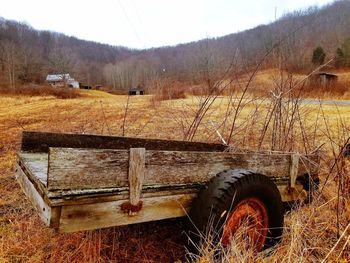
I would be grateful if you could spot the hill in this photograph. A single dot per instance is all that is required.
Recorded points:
(287, 43)
(27, 55)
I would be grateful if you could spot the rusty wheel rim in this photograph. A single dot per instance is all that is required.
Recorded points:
(250, 216)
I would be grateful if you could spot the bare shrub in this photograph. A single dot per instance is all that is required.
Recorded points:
(174, 91)
(169, 90)
(333, 90)
(61, 93)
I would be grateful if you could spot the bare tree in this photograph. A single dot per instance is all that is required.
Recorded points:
(10, 61)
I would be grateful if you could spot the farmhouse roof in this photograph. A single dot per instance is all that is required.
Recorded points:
(58, 77)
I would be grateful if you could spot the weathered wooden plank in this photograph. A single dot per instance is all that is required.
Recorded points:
(294, 168)
(41, 141)
(81, 168)
(107, 214)
(90, 168)
(37, 163)
(34, 197)
(187, 167)
(81, 193)
(32, 177)
(136, 174)
(102, 197)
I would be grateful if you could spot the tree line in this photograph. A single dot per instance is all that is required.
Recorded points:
(28, 55)
(290, 43)
(341, 56)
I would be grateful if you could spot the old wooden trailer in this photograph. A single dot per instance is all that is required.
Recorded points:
(82, 182)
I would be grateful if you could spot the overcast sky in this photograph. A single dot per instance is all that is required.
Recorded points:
(148, 23)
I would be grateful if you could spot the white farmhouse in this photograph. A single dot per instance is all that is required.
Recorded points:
(60, 80)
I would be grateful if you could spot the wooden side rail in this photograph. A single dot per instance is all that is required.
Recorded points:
(93, 168)
(41, 141)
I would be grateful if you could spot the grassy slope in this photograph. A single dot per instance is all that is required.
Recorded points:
(267, 79)
(24, 238)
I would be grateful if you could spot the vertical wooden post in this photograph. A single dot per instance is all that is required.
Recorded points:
(136, 178)
(294, 167)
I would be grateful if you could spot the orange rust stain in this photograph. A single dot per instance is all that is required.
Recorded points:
(128, 207)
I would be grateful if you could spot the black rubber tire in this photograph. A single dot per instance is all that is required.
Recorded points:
(222, 193)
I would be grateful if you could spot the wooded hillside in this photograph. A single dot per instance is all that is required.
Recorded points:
(27, 55)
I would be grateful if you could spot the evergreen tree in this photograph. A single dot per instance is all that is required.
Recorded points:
(339, 60)
(318, 56)
(346, 52)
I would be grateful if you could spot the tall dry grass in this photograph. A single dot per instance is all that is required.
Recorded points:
(23, 237)
(280, 121)
(333, 90)
(168, 90)
(41, 90)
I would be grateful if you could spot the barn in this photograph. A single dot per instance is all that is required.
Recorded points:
(136, 91)
(323, 79)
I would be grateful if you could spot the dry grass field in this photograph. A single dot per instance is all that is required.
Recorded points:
(315, 232)
(270, 77)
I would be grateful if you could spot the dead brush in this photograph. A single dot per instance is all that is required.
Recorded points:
(282, 122)
(211, 249)
(28, 90)
(169, 90)
(306, 230)
(332, 90)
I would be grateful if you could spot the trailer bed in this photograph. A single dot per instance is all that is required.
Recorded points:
(81, 182)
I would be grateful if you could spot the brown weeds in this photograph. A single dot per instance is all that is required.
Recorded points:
(58, 92)
(270, 123)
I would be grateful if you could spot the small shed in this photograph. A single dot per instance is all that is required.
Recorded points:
(85, 86)
(323, 79)
(136, 91)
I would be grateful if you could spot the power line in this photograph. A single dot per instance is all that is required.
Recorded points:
(131, 24)
(139, 18)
